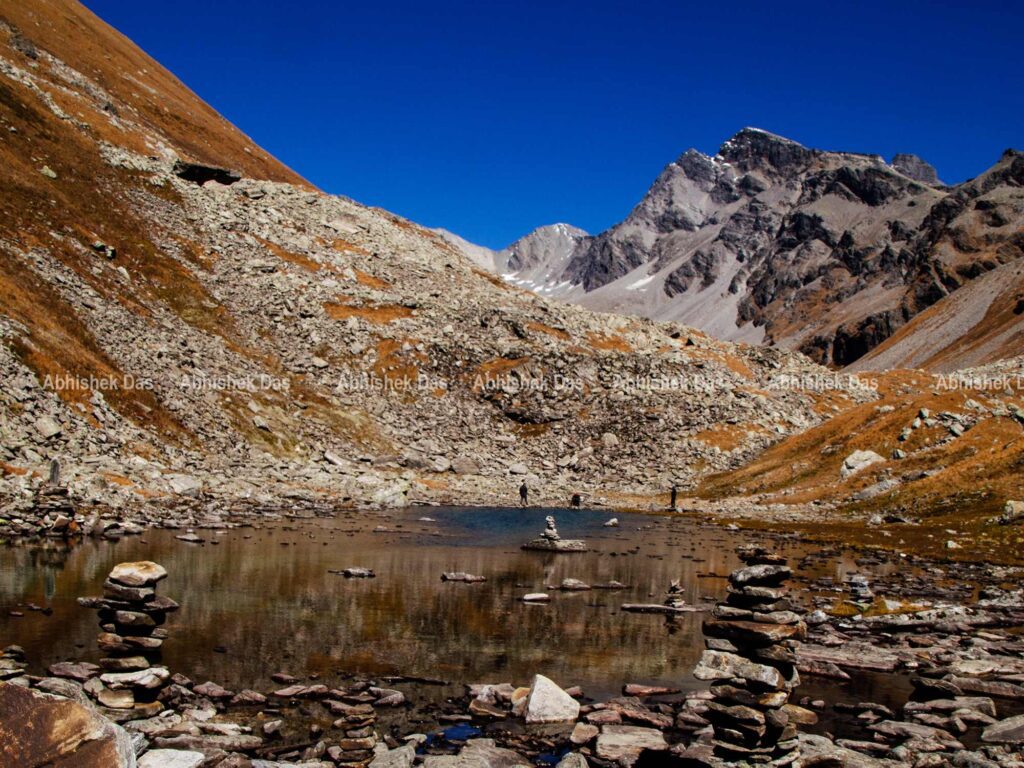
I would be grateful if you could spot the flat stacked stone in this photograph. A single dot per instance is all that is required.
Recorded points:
(53, 505)
(359, 736)
(131, 618)
(752, 640)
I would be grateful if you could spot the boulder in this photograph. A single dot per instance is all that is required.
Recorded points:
(547, 703)
(38, 729)
(857, 461)
(47, 427)
(392, 494)
(1013, 511)
(184, 485)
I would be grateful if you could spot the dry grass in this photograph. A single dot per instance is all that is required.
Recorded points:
(365, 278)
(297, 259)
(610, 342)
(956, 484)
(158, 100)
(556, 333)
(344, 246)
(378, 314)
(728, 437)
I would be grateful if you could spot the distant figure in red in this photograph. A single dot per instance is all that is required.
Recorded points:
(524, 492)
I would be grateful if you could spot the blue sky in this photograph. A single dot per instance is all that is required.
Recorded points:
(491, 118)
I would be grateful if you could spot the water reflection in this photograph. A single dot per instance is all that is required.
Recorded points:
(265, 594)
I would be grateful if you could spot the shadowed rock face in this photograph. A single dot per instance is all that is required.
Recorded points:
(916, 168)
(37, 729)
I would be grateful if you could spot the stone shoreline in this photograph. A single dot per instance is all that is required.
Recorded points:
(963, 655)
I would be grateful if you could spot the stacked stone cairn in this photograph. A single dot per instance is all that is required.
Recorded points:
(53, 504)
(131, 618)
(359, 736)
(752, 640)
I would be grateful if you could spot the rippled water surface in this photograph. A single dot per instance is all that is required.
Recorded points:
(261, 599)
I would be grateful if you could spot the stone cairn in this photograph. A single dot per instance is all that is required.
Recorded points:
(131, 618)
(751, 641)
(53, 504)
(355, 748)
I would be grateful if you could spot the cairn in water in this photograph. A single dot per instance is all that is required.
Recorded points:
(53, 505)
(752, 640)
(550, 541)
(131, 618)
(356, 747)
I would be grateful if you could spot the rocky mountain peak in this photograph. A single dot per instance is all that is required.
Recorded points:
(542, 244)
(753, 148)
(773, 242)
(915, 168)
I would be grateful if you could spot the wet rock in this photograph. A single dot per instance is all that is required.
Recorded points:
(633, 689)
(462, 576)
(80, 671)
(1008, 731)
(211, 690)
(547, 703)
(140, 574)
(358, 573)
(536, 597)
(583, 733)
(748, 711)
(248, 697)
(573, 585)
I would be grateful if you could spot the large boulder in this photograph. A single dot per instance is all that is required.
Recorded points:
(185, 485)
(37, 729)
(857, 461)
(547, 703)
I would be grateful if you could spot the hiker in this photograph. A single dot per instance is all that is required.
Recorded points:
(523, 493)
(675, 491)
(576, 501)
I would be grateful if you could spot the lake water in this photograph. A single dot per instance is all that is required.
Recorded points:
(262, 600)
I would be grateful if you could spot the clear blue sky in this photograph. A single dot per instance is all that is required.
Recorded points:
(491, 118)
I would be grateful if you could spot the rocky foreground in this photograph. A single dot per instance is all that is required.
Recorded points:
(959, 647)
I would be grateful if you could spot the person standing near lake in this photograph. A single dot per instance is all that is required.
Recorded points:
(524, 493)
(672, 502)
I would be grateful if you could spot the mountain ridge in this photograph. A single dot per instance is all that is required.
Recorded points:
(768, 241)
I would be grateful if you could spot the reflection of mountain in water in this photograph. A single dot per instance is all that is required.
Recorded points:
(271, 601)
